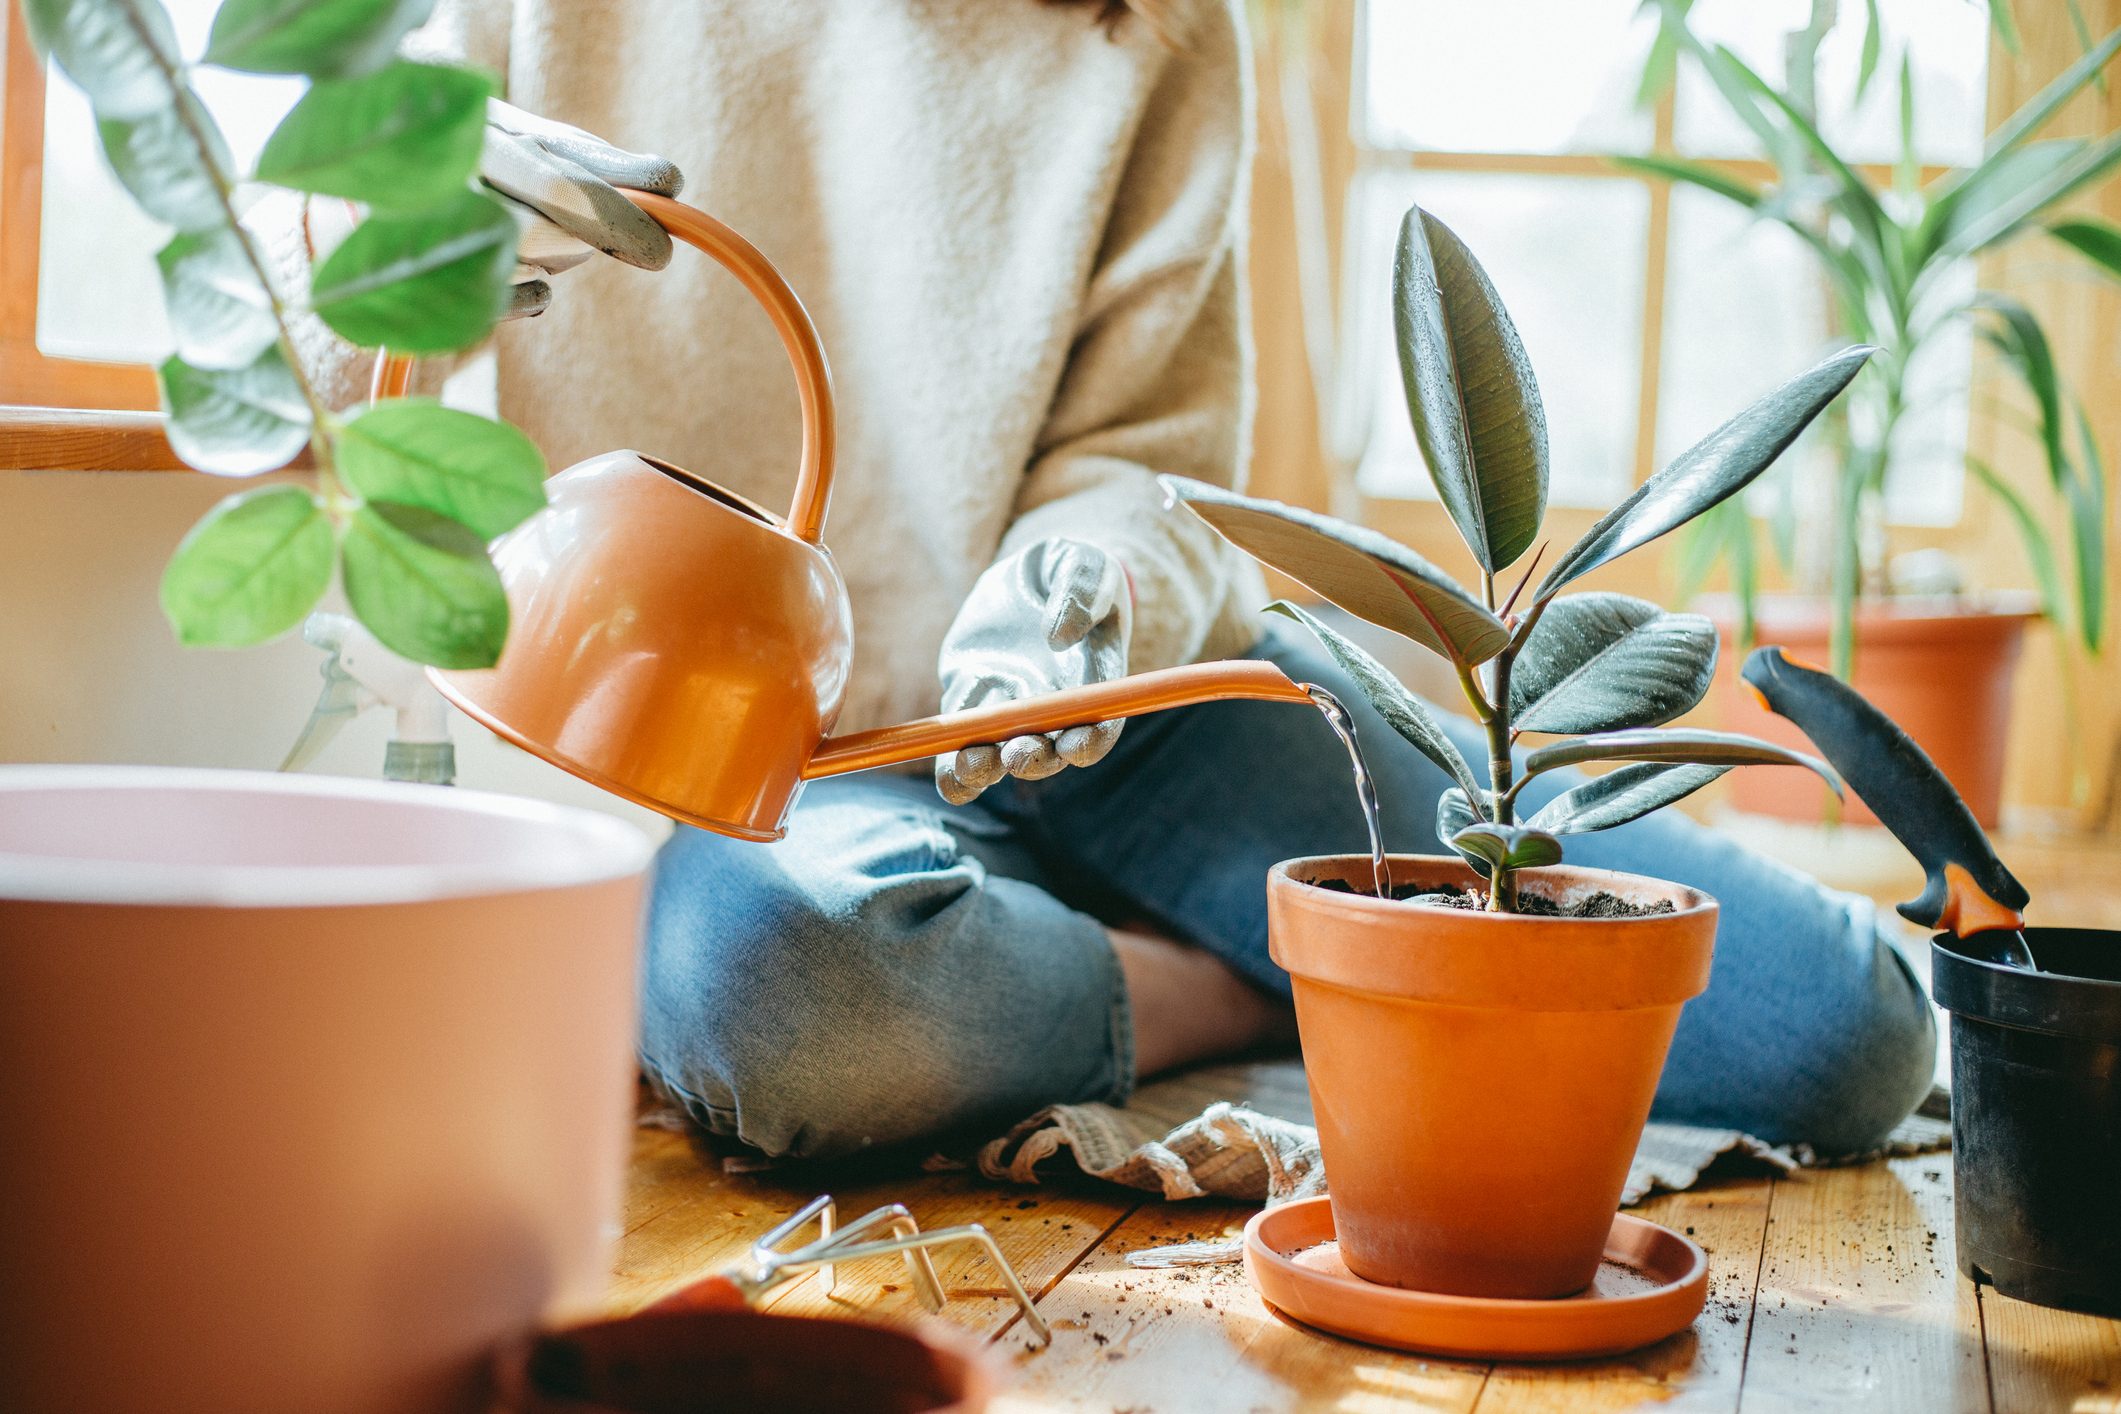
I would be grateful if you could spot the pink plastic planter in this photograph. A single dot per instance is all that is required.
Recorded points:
(311, 1090)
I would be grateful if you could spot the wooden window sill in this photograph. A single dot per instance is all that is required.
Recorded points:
(74, 439)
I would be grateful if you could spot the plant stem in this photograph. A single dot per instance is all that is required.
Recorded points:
(320, 417)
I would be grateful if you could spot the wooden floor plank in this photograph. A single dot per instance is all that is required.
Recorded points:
(2041, 1360)
(1859, 1306)
(1198, 1340)
(1696, 1370)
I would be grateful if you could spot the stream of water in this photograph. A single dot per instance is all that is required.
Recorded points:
(1365, 788)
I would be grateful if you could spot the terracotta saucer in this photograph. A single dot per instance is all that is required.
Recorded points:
(1653, 1284)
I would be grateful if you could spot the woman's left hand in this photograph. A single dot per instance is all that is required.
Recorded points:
(1051, 617)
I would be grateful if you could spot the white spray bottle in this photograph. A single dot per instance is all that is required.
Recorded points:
(361, 673)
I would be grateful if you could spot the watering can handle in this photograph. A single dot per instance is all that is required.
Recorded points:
(813, 379)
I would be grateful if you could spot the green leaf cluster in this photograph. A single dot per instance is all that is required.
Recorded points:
(1599, 672)
(405, 495)
(1889, 257)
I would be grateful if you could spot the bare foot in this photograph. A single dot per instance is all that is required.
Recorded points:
(1188, 1006)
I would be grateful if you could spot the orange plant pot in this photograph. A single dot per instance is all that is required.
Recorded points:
(1944, 674)
(1480, 1080)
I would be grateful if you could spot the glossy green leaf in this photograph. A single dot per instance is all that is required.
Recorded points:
(2015, 187)
(1704, 175)
(2005, 24)
(2017, 335)
(2088, 520)
(173, 161)
(405, 137)
(219, 313)
(1675, 745)
(1602, 662)
(2097, 241)
(413, 451)
(1454, 811)
(250, 570)
(1713, 469)
(235, 421)
(1873, 49)
(426, 283)
(121, 53)
(1620, 796)
(1402, 710)
(1369, 575)
(2039, 554)
(2035, 112)
(1470, 391)
(317, 37)
(1507, 846)
(423, 585)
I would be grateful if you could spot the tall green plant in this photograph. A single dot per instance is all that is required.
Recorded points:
(399, 499)
(1600, 671)
(1888, 256)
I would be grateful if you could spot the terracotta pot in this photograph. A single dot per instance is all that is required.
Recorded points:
(1480, 1080)
(676, 1362)
(317, 1089)
(1943, 671)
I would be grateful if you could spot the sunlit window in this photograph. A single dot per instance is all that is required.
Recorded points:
(98, 296)
(1650, 314)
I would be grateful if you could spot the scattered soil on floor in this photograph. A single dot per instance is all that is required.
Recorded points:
(1601, 904)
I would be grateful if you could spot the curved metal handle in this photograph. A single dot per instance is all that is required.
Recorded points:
(1249, 679)
(806, 355)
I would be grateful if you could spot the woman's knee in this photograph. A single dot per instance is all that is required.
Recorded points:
(762, 1010)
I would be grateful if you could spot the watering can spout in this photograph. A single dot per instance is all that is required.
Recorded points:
(678, 645)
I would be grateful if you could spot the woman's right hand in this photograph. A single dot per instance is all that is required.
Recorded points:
(561, 184)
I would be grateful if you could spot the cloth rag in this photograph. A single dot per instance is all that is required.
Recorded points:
(1181, 1138)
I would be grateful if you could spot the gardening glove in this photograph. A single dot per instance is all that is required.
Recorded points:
(1054, 616)
(559, 181)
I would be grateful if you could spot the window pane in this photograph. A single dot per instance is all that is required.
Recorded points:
(1744, 310)
(1947, 39)
(1566, 254)
(98, 295)
(1455, 76)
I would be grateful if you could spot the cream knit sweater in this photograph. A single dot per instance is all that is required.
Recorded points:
(1022, 241)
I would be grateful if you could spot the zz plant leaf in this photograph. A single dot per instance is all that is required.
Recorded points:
(235, 421)
(483, 474)
(250, 570)
(430, 282)
(318, 37)
(221, 315)
(405, 137)
(423, 585)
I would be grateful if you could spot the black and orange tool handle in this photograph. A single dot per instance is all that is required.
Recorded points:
(1970, 891)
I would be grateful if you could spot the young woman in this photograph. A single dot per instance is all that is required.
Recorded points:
(1020, 225)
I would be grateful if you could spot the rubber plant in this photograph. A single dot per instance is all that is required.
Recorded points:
(398, 499)
(1888, 257)
(1602, 672)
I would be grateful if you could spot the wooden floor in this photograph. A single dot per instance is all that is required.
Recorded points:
(1830, 1289)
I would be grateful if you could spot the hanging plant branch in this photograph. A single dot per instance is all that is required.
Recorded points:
(401, 500)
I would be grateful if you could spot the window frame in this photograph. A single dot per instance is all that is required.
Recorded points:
(56, 414)
(1371, 159)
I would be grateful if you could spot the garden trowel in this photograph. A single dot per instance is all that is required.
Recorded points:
(1969, 891)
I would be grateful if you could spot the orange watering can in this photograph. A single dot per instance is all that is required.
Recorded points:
(679, 646)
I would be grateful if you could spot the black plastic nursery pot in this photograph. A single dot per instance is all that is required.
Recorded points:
(2036, 1114)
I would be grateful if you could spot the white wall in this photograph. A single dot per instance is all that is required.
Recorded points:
(89, 670)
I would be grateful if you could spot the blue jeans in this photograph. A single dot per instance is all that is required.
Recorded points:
(897, 968)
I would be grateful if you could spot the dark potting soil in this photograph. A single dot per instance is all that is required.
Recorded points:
(1598, 905)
